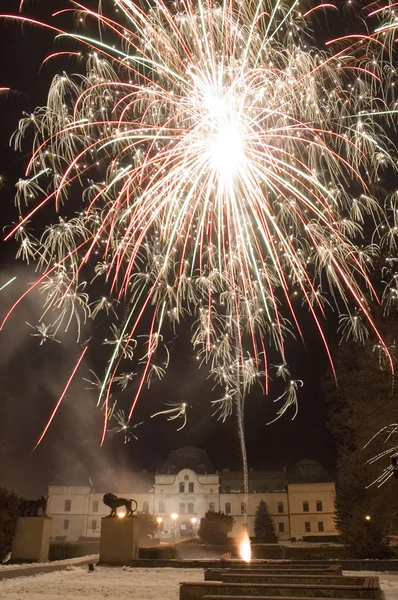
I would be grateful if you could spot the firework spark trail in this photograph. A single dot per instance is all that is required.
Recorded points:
(216, 154)
(7, 283)
(75, 368)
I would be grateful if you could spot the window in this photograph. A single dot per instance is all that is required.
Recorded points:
(306, 506)
(94, 524)
(191, 488)
(320, 526)
(182, 487)
(319, 507)
(281, 527)
(211, 491)
(281, 508)
(186, 477)
(227, 508)
(68, 504)
(181, 509)
(95, 505)
(145, 506)
(307, 526)
(242, 508)
(66, 524)
(161, 507)
(212, 506)
(190, 508)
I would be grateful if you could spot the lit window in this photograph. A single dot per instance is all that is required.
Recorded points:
(191, 488)
(94, 524)
(227, 508)
(319, 506)
(281, 527)
(320, 526)
(66, 524)
(306, 506)
(281, 508)
(68, 505)
(182, 488)
(95, 506)
(307, 526)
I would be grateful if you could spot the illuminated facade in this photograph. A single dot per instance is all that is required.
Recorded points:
(301, 502)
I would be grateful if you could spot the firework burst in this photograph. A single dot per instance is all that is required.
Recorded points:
(223, 165)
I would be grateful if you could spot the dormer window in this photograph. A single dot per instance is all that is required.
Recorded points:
(186, 477)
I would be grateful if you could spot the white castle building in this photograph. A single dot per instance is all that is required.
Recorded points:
(301, 502)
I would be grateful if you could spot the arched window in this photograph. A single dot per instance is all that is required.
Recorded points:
(182, 487)
(191, 487)
(186, 477)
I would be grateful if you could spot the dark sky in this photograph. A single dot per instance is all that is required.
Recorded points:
(32, 376)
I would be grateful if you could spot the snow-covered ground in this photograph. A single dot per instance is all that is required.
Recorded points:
(67, 561)
(388, 582)
(121, 583)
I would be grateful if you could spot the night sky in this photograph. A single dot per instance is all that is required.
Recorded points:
(32, 376)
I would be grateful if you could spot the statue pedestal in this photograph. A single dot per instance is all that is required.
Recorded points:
(119, 540)
(32, 539)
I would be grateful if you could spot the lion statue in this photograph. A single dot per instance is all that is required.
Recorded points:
(114, 502)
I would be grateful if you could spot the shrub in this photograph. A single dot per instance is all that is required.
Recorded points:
(264, 528)
(64, 550)
(159, 552)
(147, 524)
(8, 519)
(214, 527)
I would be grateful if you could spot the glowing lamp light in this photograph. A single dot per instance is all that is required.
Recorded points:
(193, 521)
(159, 520)
(368, 518)
(245, 551)
(174, 516)
(121, 515)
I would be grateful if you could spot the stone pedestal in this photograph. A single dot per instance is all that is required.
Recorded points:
(119, 540)
(32, 539)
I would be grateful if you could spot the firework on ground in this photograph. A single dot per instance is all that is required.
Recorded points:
(213, 166)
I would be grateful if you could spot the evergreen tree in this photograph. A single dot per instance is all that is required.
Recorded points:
(8, 520)
(264, 528)
(363, 403)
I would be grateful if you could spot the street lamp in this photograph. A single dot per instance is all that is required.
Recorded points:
(159, 521)
(193, 521)
(174, 516)
(368, 518)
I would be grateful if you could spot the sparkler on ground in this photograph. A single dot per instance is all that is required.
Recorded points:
(224, 167)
